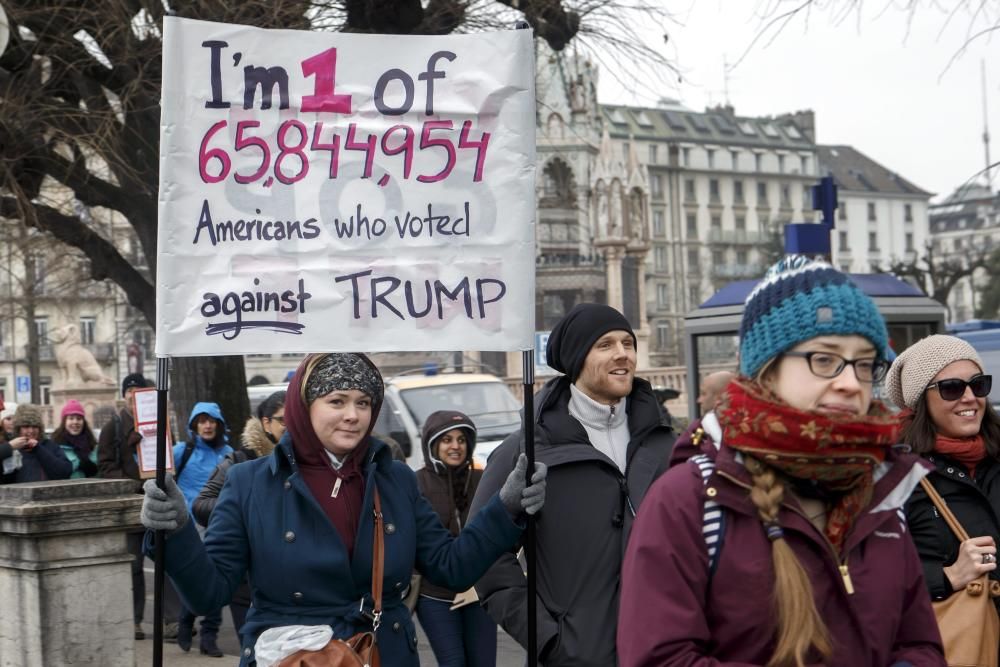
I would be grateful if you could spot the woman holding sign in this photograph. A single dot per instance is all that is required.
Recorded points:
(301, 523)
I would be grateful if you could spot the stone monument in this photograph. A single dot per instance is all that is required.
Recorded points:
(65, 573)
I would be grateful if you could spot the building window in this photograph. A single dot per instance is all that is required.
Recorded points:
(711, 158)
(663, 336)
(958, 244)
(652, 153)
(693, 262)
(42, 329)
(87, 325)
(843, 241)
(807, 197)
(741, 223)
(805, 163)
(656, 186)
(660, 258)
(689, 192)
(45, 388)
(717, 258)
(694, 295)
(907, 213)
(873, 241)
(781, 164)
(845, 267)
(713, 190)
(686, 157)
(716, 222)
(786, 196)
(757, 161)
(663, 295)
(842, 212)
(871, 211)
(626, 146)
(735, 156)
(909, 241)
(738, 192)
(741, 257)
(692, 226)
(761, 193)
(659, 228)
(41, 273)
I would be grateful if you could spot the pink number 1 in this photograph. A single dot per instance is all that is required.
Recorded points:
(324, 67)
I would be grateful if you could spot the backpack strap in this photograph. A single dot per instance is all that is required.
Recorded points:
(185, 457)
(713, 519)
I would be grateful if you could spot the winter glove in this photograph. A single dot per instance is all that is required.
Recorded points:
(163, 510)
(517, 497)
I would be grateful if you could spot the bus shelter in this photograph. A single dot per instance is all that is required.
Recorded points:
(711, 331)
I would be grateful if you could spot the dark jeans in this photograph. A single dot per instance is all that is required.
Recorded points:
(134, 542)
(238, 610)
(210, 623)
(466, 637)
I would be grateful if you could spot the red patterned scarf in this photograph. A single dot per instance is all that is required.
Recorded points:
(839, 454)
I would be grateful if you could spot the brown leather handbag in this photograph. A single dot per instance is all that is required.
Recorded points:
(970, 627)
(359, 650)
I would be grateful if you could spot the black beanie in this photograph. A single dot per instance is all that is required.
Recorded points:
(133, 380)
(571, 339)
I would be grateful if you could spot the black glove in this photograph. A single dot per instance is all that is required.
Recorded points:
(87, 467)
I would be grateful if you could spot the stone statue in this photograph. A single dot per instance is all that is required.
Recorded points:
(76, 362)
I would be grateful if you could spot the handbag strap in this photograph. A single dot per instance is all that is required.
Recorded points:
(378, 562)
(942, 507)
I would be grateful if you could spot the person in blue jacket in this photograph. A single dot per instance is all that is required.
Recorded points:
(300, 523)
(194, 462)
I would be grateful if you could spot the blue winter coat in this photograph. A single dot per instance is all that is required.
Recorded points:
(204, 458)
(267, 523)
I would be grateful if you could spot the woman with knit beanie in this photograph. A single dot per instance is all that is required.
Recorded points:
(459, 630)
(941, 382)
(300, 522)
(784, 547)
(76, 439)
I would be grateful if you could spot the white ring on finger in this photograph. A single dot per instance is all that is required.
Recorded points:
(988, 558)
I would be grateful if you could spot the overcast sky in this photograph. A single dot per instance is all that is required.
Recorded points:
(873, 83)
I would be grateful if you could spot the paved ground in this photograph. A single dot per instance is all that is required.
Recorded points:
(509, 654)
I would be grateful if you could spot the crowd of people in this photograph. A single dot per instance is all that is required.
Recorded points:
(797, 521)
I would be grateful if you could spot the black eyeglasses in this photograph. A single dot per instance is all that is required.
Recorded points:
(280, 420)
(829, 365)
(953, 389)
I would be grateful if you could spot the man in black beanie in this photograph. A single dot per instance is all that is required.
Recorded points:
(598, 428)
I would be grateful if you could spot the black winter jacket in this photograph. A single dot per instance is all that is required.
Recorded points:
(582, 530)
(975, 502)
(46, 461)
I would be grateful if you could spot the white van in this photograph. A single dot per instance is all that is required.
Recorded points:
(409, 399)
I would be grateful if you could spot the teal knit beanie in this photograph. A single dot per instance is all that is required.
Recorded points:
(799, 299)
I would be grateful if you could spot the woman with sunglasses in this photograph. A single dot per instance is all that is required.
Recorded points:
(781, 543)
(940, 380)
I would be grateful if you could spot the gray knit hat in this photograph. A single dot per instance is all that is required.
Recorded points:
(27, 415)
(914, 369)
(343, 371)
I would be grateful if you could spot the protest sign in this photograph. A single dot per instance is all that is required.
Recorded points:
(344, 192)
(144, 412)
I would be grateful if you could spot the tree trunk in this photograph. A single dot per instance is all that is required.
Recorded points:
(220, 380)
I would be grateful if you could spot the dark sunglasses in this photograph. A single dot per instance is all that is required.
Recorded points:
(953, 389)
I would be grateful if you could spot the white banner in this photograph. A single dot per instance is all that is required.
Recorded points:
(342, 192)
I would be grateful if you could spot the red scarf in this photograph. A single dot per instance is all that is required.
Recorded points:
(967, 451)
(838, 453)
(344, 511)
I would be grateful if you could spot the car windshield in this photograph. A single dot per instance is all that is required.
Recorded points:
(489, 404)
